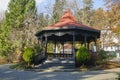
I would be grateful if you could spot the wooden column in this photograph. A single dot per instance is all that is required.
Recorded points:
(85, 40)
(73, 47)
(95, 44)
(54, 47)
(95, 40)
(73, 41)
(88, 44)
(46, 41)
(63, 48)
(41, 41)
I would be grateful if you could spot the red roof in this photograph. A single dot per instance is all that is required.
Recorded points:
(67, 21)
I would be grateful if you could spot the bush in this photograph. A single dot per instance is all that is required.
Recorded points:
(37, 48)
(82, 56)
(3, 60)
(94, 59)
(28, 55)
(111, 54)
(103, 55)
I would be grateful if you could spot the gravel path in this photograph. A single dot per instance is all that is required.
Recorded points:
(10, 74)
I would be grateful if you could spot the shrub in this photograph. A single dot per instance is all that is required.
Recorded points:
(102, 55)
(28, 55)
(3, 60)
(94, 59)
(37, 48)
(82, 56)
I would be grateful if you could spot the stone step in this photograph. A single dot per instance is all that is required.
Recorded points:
(59, 59)
(61, 62)
(56, 64)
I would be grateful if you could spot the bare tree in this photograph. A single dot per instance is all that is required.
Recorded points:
(109, 2)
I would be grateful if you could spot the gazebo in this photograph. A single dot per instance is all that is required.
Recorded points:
(67, 30)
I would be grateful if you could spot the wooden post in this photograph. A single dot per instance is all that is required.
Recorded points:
(95, 41)
(73, 47)
(41, 41)
(46, 41)
(85, 40)
(63, 48)
(55, 50)
(95, 44)
(88, 44)
(54, 47)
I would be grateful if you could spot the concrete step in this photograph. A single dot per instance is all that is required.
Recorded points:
(57, 64)
(61, 62)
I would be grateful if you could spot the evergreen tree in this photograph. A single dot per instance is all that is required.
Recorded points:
(57, 10)
(43, 20)
(12, 31)
(87, 11)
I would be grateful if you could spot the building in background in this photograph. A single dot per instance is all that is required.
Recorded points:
(109, 41)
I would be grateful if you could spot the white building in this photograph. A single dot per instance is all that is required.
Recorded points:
(109, 41)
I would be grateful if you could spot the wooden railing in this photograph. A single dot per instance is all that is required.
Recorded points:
(59, 55)
(39, 58)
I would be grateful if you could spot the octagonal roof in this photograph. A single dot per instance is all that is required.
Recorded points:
(67, 21)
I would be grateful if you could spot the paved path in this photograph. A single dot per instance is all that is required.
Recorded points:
(10, 74)
(115, 59)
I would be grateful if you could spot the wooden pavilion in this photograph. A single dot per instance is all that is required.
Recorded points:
(68, 30)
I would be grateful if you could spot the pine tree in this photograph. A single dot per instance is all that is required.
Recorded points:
(43, 20)
(57, 10)
(13, 27)
(87, 12)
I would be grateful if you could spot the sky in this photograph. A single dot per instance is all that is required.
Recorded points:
(98, 4)
(4, 3)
